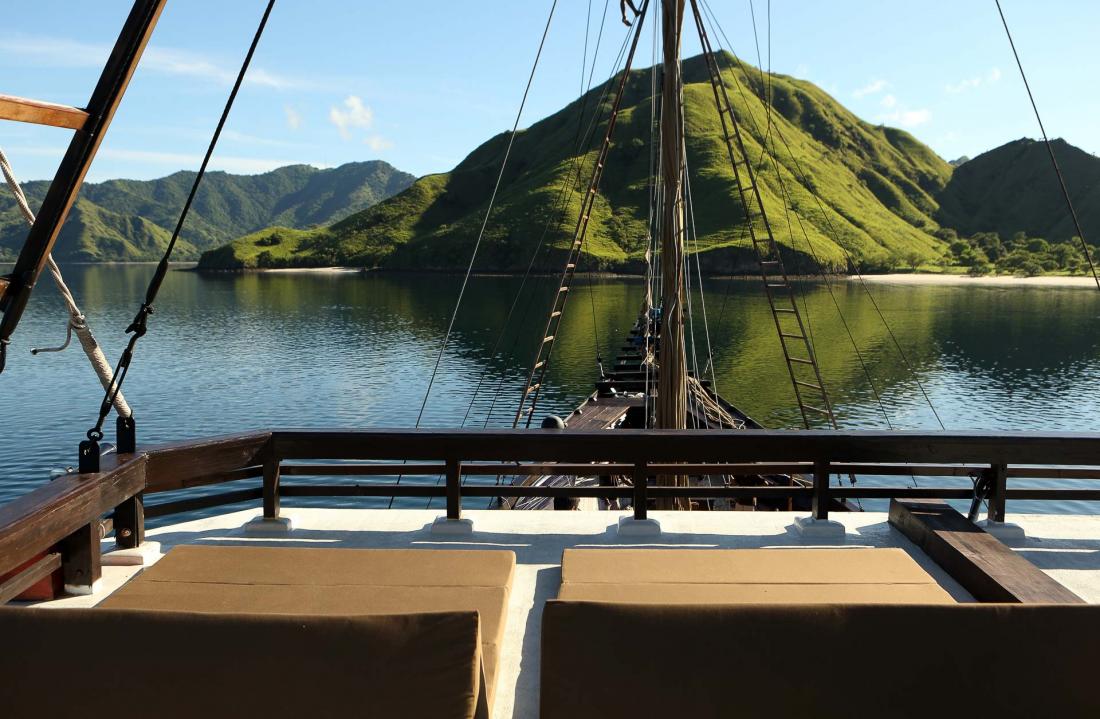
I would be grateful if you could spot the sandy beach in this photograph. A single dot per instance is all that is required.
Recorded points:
(987, 281)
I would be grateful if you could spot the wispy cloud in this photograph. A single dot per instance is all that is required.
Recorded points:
(871, 88)
(972, 83)
(49, 51)
(906, 117)
(175, 160)
(888, 101)
(352, 115)
(293, 117)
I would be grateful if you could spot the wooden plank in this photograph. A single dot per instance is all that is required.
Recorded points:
(128, 522)
(14, 586)
(185, 464)
(206, 501)
(271, 489)
(81, 559)
(630, 445)
(984, 566)
(20, 109)
(46, 515)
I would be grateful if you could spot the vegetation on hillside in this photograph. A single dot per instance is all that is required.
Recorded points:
(877, 188)
(985, 252)
(132, 220)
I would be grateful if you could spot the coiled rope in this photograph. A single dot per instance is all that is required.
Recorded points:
(78, 324)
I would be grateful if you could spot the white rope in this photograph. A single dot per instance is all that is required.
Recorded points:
(77, 322)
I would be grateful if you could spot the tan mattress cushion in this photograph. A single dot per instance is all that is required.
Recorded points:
(178, 665)
(824, 661)
(734, 576)
(292, 580)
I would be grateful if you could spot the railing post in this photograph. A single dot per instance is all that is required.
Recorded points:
(80, 559)
(998, 489)
(129, 523)
(819, 509)
(641, 487)
(271, 486)
(454, 489)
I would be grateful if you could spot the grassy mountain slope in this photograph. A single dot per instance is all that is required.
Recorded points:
(131, 219)
(877, 185)
(1013, 189)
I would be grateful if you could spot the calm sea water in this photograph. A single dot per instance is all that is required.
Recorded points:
(230, 352)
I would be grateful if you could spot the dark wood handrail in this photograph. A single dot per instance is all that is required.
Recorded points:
(64, 515)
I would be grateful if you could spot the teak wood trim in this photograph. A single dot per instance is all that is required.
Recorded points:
(47, 515)
(21, 109)
(984, 566)
(188, 464)
(658, 446)
(13, 586)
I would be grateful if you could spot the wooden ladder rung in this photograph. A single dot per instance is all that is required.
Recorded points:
(808, 385)
(532, 388)
(792, 337)
(539, 364)
(825, 412)
(548, 339)
(781, 309)
(21, 109)
(555, 313)
(799, 360)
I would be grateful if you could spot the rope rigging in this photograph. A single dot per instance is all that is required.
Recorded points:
(583, 143)
(77, 322)
(1050, 150)
(89, 449)
(832, 234)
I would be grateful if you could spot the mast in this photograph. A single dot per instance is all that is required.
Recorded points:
(672, 357)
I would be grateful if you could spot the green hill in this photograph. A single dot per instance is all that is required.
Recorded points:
(121, 220)
(878, 186)
(1013, 189)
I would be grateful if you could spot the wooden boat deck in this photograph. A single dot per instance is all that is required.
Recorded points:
(1062, 546)
(601, 412)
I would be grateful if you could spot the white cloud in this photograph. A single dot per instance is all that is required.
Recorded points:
(906, 117)
(293, 118)
(873, 87)
(378, 143)
(888, 101)
(354, 115)
(62, 52)
(975, 82)
(182, 160)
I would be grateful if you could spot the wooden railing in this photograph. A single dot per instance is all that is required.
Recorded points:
(66, 517)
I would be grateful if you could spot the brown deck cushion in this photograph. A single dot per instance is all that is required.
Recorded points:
(822, 661)
(736, 576)
(330, 581)
(62, 663)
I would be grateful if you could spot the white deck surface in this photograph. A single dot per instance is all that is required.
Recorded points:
(1066, 547)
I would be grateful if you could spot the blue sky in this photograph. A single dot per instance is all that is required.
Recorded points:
(420, 83)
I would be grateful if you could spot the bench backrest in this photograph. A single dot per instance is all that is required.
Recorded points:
(613, 660)
(91, 662)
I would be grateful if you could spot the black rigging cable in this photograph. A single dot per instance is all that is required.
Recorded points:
(833, 235)
(569, 179)
(138, 327)
(484, 224)
(485, 221)
(1050, 149)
